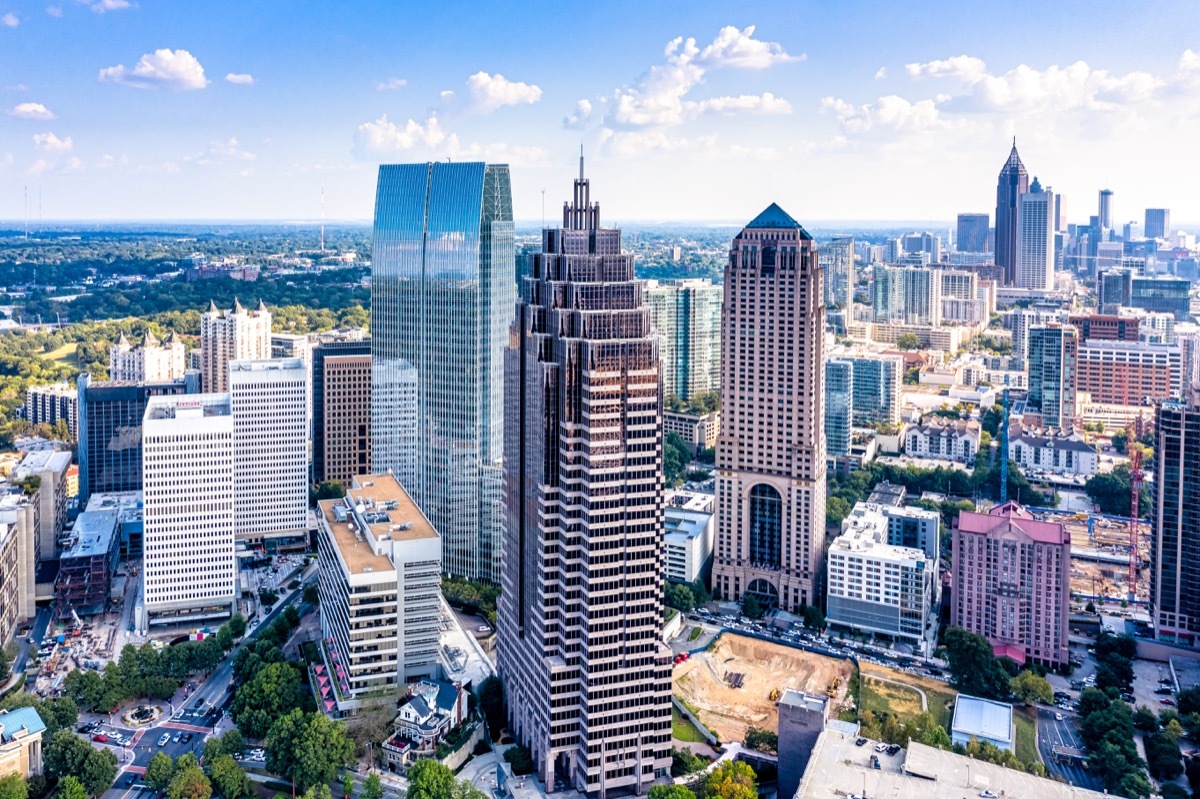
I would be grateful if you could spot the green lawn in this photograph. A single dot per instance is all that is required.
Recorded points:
(937, 692)
(682, 729)
(1023, 720)
(881, 697)
(64, 354)
(694, 634)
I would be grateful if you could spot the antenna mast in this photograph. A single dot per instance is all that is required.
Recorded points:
(322, 217)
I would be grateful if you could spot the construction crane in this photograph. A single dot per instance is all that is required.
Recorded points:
(1135, 486)
(1004, 447)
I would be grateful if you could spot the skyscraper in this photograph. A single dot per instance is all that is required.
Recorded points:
(1106, 209)
(972, 235)
(837, 258)
(1035, 238)
(1158, 223)
(233, 335)
(839, 405)
(585, 669)
(686, 314)
(442, 292)
(887, 289)
(151, 361)
(1013, 182)
(1175, 544)
(922, 291)
(771, 449)
(1053, 372)
(349, 394)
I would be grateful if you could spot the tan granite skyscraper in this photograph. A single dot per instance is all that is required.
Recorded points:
(771, 449)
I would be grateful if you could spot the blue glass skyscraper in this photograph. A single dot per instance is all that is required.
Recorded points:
(442, 297)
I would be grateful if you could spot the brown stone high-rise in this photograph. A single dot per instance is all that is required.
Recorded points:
(586, 673)
(346, 417)
(771, 449)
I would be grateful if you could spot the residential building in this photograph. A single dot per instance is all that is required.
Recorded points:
(687, 543)
(837, 259)
(1121, 373)
(686, 314)
(270, 449)
(87, 564)
(1022, 321)
(443, 277)
(958, 284)
(110, 431)
(189, 574)
(50, 404)
(944, 338)
(922, 289)
(434, 708)
(583, 395)
(12, 549)
(1105, 327)
(1054, 372)
(379, 567)
(1053, 452)
(1158, 223)
(771, 452)
(50, 467)
(912, 527)
(1035, 238)
(1013, 182)
(233, 335)
(887, 286)
(946, 439)
(1011, 583)
(698, 430)
(985, 720)
(21, 732)
(875, 396)
(878, 588)
(1175, 539)
(972, 233)
(839, 406)
(152, 361)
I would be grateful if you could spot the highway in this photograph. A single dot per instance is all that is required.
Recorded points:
(1052, 733)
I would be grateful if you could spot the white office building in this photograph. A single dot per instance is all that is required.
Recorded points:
(1035, 238)
(687, 543)
(379, 561)
(268, 399)
(189, 573)
(879, 588)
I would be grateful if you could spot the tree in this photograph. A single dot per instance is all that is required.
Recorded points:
(520, 759)
(229, 778)
(1163, 756)
(1170, 790)
(685, 761)
(908, 341)
(1173, 729)
(836, 509)
(1188, 701)
(237, 625)
(275, 690)
(232, 743)
(5, 668)
(751, 607)
(675, 458)
(310, 596)
(347, 785)
(671, 792)
(70, 788)
(64, 753)
(814, 617)
(318, 792)
(160, 771)
(679, 596)
(98, 771)
(308, 747)
(330, 489)
(973, 667)
(372, 787)
(1144, 719)
(13, 787)
(225, 638)
(1029, 687)
(762, 740)
(429, 779)
(189, 783)
(732, 779)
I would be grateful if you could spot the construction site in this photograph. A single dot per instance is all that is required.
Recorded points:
(735, 684)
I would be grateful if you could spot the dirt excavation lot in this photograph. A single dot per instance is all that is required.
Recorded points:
(705, 682)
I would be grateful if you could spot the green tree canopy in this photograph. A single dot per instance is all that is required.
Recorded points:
(160, 771)
(1030, 687)
(732, 779)
(973, 667)
(189, 783)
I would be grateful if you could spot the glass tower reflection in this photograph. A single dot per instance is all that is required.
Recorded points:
(442, 298)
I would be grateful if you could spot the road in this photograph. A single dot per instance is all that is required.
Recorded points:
(41, 622)
(1052, 733)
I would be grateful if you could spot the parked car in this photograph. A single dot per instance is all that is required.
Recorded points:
(164, 739)
(100, 738)
(1167, 702)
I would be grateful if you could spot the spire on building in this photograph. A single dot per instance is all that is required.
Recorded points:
(237, 308)
(1035, 187)
(212, 307)
(262, 306)
(150, 340)
(123, 342)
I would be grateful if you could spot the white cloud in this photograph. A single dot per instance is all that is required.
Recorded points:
(10, 20)
(498, 153)
(489, 92)
(579, 119)
(632, 143)
(881, 73)
(103, 6)
(963, 67)
(221, 151)
(31, 111)
(51, 143)
(171, 69)
(240, 78)
(446, 94)
(383, 136)
(891, 112)
(390, 84)
(765, 103)
(54, 11)
(1189, 61)
(169, 167)
(739, 48)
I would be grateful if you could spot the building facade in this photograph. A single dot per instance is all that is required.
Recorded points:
(1175, 542)
(1119, 373)
(698, 430)
(876, 395)
(972, 233)
(50, 404)
(771, 452)
(1013, 182)
(442, 292)
(1035, 239)
(1105, 327)
(1158, 223)
(348, 396)
(1054, 373)
(1011, 583)
(585, 668)
(346, 416)
(1053, 452)
(234, 335)
(839, 406)
(686, 314)
(152, 361)
(837, 259)
(945, 439)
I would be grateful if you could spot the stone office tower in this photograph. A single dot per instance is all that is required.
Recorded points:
(1013, 182)
(771, 451)
(585, 669)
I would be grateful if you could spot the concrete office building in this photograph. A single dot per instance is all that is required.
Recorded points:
(1035, 239)
(379, 577)
(584, 516)
(1011, 583)
(10, 589)
(686, 314)
(839, 406)
(152, 361)
(1175, 540)
(233, 335)
(347, 396)
(771, 452)
(972, 233)
(270, 452)
(880, 588)
(802, 718)
(698, 430)
(20, 512)
(1013, 182)
(687, 543)
(1158, 223)
(189, 574)
(50, 467)
(443, 276)
(1053, 373)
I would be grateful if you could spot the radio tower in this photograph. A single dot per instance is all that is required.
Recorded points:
(322, 217)
(1135, 485)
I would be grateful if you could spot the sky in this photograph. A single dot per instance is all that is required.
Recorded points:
(701, 111)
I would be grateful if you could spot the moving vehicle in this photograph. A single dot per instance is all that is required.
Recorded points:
(100, 738)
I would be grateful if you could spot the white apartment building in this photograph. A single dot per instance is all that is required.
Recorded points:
(233, 335)
(879, 588)
(189, 572)
(1057, 454)
(152, 361)
(379, 578)
(947, 439)
(687, 543)
(269, 404)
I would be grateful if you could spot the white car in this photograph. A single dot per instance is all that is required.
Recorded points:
(1058, 716)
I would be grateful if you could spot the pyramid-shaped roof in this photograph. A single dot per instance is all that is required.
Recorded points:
(1013, 164)
(776, 218)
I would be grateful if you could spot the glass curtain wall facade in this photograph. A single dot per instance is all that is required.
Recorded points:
(1175, 544)
(442, 298)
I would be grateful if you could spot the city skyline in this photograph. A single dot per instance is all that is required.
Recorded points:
(190, 122)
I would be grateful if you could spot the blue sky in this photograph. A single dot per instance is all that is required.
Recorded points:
(182, 109)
